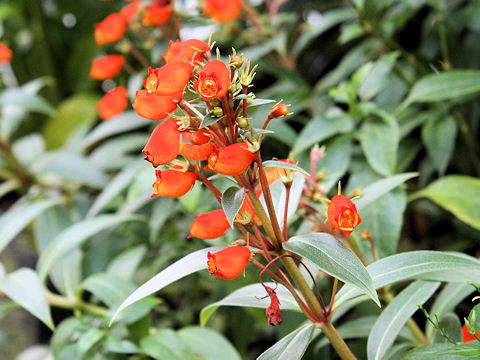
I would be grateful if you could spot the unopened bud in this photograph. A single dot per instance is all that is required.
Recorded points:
(217, 111)
(366, 235)
(242, 122)
(236, 61)
(279, 110)
(232, 88)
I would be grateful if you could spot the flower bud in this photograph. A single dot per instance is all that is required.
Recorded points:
(217, 111)
(278, 111)
(228, 263)
(173, 182)
(342, 214)
(210, 225)
(236, 61)
(242, 122)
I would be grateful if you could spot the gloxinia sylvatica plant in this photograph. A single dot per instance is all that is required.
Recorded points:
(203, 132)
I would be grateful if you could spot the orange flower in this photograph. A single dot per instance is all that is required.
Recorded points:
(189, 51)
(5, 54)
(156, 14)
(198, 149)
(342, 214)
(221, 10)
(153, 106)
(110, 29)
(113, 103)
(278, 111)
(173, 182)
(162, 146)
(210, 225)
(273, 311)
(228, 263)
(106, 67)
(169, 79)
(230, 160)
(466, 336)
(130, 11)
(213, 80)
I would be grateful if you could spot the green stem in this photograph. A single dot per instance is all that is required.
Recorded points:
(471, 144)
(63, 302)
(337, 342)
(443, 41)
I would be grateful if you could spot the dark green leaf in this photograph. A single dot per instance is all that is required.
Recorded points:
(208, 120)
(450, 323)
(232, 200)
(439, 135)
(110, 289)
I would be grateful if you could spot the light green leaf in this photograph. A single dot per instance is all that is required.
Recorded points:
(445, 85)
(209, 119)
(336, 160)
(251, 296)
(259, 102)
(450, 323)
(208, 343)
(474, 318)
(426, 265)
(445, 352)
(334, 258)
(88, 340)
(24, 100)
(283, 165)
(439, 135)
(125, 264)
(319, 129)
(73, 236)
(28, 149)
(457, 194)
(395, 315)
(166, 344)
(381, 187)
(232, 200)
(24, 287)
(187, 265)
(16, 218)
(7, 186)
(110, 289)
(377, 77)
(292, 346)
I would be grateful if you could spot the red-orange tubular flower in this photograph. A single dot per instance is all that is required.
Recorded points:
(154, 106)
(189, 51)
(221, 10)
(169, 79)
(106, 67)
(273, 311)
(5, 54)
(210, 225)
(466, 336)
(130, 11)
(228, 263)
(162, 146)
(342, 214)
(195, 146)
(230, 160)
(173, 182)
(156, 14)
(213, 80)
(110, 29)
(113, 103)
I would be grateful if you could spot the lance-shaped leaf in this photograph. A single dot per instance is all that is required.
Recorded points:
(208, 120)
(24, 287)
(334, 258)
(395, 315)
(291, 346)
(251, 296)
(283, 165)
(187, 265)
(426, 265)
(232, 200)
(445, 351)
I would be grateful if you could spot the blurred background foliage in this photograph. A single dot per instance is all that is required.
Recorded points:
(345, 67)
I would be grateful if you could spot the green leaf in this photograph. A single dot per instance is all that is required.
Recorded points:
(474, 318)
(251, 296)
(450, 323)
(209, 119)
(115, 187)
(7, 186)
(457, 194)
(232, 200)
(16, 218)
(116, 345)
(64, 334)
(446, 301)
(426, 265)
(321, 128)
(73, 236)
(283, 165)
(28, 149)
(292, 346)
(445, 85)
(126, 121)
(439, 135)
(125, 264)
(110, 289)
(259, 102)
(88, 340)
(208, 344)
(70, 114)
(24, 287)
(187, 265)
(334, 258)
(444, 352)
(377, 77)
(395, 315)
(379, 138)
(24, 100)
(336, 160)
(379, 188)
(70, 167)
(166, 344)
